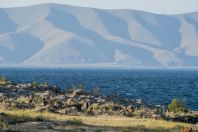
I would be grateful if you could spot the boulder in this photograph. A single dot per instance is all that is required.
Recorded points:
(10, 86)
(77, 92)
(130, 108)
(140, 104)
(100, 100)
(61, 98)
(71, 110)
(55, 89)
(2, 95)
(82, 96)
(43, 108)
(187, 129)
(85, 106)
(71, 101)
(140, 101)
(45, 102)
(45, 94)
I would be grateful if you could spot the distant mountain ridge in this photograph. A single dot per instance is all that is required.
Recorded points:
(61, 35)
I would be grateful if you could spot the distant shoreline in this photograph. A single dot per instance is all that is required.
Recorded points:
(98, 67)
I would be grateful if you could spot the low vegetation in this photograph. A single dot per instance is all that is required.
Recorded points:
(177, 106)
(125, 123)
(4, 81)
(37, 84)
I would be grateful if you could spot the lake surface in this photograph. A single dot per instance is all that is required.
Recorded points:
(153, 86)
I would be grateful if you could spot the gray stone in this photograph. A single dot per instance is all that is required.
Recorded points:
(85, 106)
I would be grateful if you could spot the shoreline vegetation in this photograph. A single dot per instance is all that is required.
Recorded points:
(40, 107)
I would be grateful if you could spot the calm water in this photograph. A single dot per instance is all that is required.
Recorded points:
(154, 86)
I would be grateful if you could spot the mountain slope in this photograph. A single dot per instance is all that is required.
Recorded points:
(59, 35)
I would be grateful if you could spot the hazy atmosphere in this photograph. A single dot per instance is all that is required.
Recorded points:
(155, 6)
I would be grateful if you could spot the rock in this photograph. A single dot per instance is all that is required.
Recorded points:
(156, 116)
(130, 108)
(58, 104)
(82, 97)
(52, 109)
(85, 106)
(2, 114)
(17, 86)
(2, 95)
(43, 108)
(45, 102)
(45, 94)
(71, 110)
(140, 104)
(139, 101)
(23, 85)
(71, 101)
(55, 89)
(29, 84)
(81, 102)
(62, 98)
(100, 100)
(116, 107)
(195, 128)
(61, 111)
(187, 129)
(10, 86)
(77, 92)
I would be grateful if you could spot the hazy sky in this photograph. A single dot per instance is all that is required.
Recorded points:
(155, 6)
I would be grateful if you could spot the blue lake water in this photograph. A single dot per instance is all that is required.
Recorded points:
(154, 86)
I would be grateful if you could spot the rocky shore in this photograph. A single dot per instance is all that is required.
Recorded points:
(79, 101)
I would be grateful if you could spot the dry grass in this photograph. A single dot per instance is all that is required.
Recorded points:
(109, 121)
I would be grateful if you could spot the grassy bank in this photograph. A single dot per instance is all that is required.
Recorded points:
(22, 116)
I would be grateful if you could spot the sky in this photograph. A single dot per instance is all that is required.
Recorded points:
(154, 6)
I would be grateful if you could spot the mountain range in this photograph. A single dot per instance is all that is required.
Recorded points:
(62, 35)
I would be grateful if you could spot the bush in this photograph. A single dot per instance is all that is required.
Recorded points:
(95, 106)
(75, 87)
(177, 106)
(35, 84)
(45, 84)
(4, 81)
(81, 86)
(2, 78)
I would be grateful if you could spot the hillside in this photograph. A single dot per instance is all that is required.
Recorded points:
(60, 35)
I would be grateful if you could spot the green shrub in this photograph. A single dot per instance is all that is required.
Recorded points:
(81, 86)
(38, 100)
(45, 84)
(95, 106)
(75, 87)
(23, 99)
(4, 80)
(35, 84)
(177, 106)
